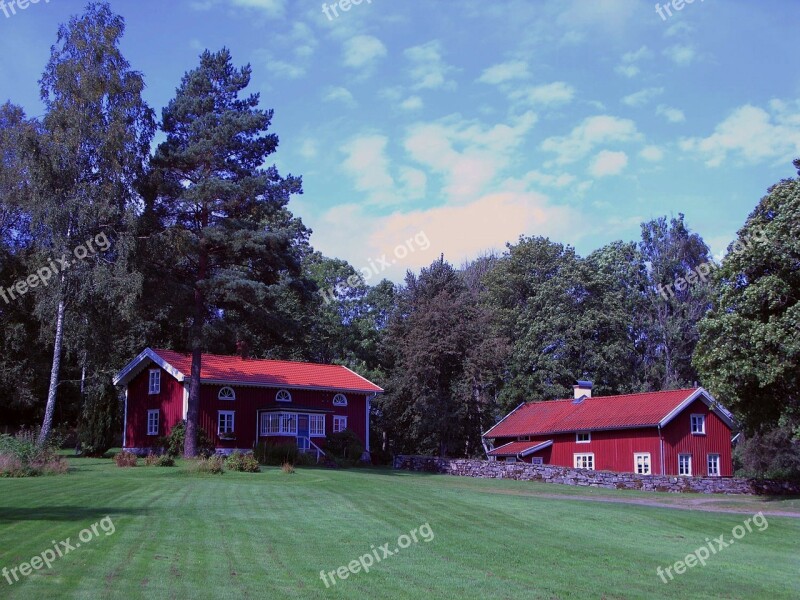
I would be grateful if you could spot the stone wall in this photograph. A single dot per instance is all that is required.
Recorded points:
(603, 479)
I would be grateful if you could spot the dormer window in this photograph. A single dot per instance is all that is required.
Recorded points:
(583, 437)
(155, 381)
(283, 396)
(698, 424)
(226, 393)
(340, 400)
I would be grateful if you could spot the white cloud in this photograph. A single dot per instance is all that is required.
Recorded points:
(673, 115)
(428, 69)
(270, 8)
(561, 180)
(629, 63)
(652, 153)
(608, 163)
(642, 97)
(363, 51)
(554, 93)
(339, 94)
(309, 149)
(367, 164)
(503, 72)
(681, 54)
(752, 134)
(298, 45)
(412, 103)
(592, 132)
(468, 155)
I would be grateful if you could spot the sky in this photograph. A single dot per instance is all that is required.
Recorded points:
(428, 127)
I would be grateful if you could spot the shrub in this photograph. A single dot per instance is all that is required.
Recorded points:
(288, 468)
(276, 455)
(173, 443)
(214, 465)
(151, 460)
(345, 445)
(126, 459)
(772, 454)
(245, 463)
(165, 460)
(22, 456)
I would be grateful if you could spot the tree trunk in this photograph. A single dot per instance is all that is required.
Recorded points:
(47, 423)
(193, 409)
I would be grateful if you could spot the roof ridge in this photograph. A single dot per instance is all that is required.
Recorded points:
(693, 389)
(274, 360)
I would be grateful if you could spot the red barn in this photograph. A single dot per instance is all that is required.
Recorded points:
(678, 432)
(243, 401)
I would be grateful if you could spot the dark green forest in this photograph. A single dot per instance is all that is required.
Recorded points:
(191, 244)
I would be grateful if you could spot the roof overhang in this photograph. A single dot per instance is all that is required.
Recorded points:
(708, 400)
(486, 435)
(148, 356)
(534, 447)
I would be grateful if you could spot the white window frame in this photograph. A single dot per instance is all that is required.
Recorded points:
(154, 382)
(716, 462)
(226, 393)
(220, 421)
(588, 435)
(685, 463)
(283, 396)
(511, 459)
(642, 464)
(702, 419)
(319, 430)
(339, 423)
(151, 430)
(586, 460)
(537, 460)
(340, 400)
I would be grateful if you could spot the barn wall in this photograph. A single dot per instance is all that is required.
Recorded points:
(678, 439)
(169, 401)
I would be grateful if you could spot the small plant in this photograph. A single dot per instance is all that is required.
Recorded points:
(126, 459)
(276, 454)
(165, 460)
(245, 463)
(214, 465)
(22, 456)
(150, 460)
(173, 443)
(288, 468)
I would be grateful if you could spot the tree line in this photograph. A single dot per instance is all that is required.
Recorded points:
(204, 255)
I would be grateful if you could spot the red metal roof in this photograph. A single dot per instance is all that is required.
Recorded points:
(278, 373)
(601, 412)
(514, 448)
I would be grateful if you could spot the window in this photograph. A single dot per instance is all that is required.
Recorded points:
(684, 464)
(289, 423)
(340, 400)
(584, 461)
(641, 463)
(511, 459)
(152, 422)
(524, 438)
(225, 422)
(283, 396)
(316, 425)
(537, 460)
(339, 424)
(698, 424)
(227, 393)
(277, 423)
(713, 465)
(270, 423)
(155, 381)
(583, 437)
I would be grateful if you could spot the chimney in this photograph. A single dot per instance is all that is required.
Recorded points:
(242, 349)
(583, 388)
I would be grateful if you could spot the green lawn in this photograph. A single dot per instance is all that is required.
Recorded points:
(268, 535)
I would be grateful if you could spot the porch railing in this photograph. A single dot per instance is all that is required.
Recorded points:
(309, 446)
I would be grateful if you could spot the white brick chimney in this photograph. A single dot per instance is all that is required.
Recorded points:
(583, 388)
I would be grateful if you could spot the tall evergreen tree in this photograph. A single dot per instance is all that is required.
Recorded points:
(230, 236)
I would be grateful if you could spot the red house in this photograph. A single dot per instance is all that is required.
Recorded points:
(678, 432)
(243, 401)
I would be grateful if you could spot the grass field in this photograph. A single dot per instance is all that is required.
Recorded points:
(268, 535)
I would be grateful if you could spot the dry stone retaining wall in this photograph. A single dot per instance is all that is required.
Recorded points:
(604, 479)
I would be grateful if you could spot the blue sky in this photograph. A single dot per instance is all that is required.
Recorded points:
(475, 122)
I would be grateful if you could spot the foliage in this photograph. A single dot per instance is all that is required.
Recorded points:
(22, 456)
(245, 463)
(155, 460)
(126, 459)
(749, 349)
(772, 454)
(276, 454)
(344, 444)
(288, 468)
(212, 465)
(174, 442)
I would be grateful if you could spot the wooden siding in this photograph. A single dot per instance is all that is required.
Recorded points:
(169, 402)
(678, 439)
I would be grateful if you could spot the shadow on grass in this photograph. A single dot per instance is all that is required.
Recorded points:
(62, 513)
